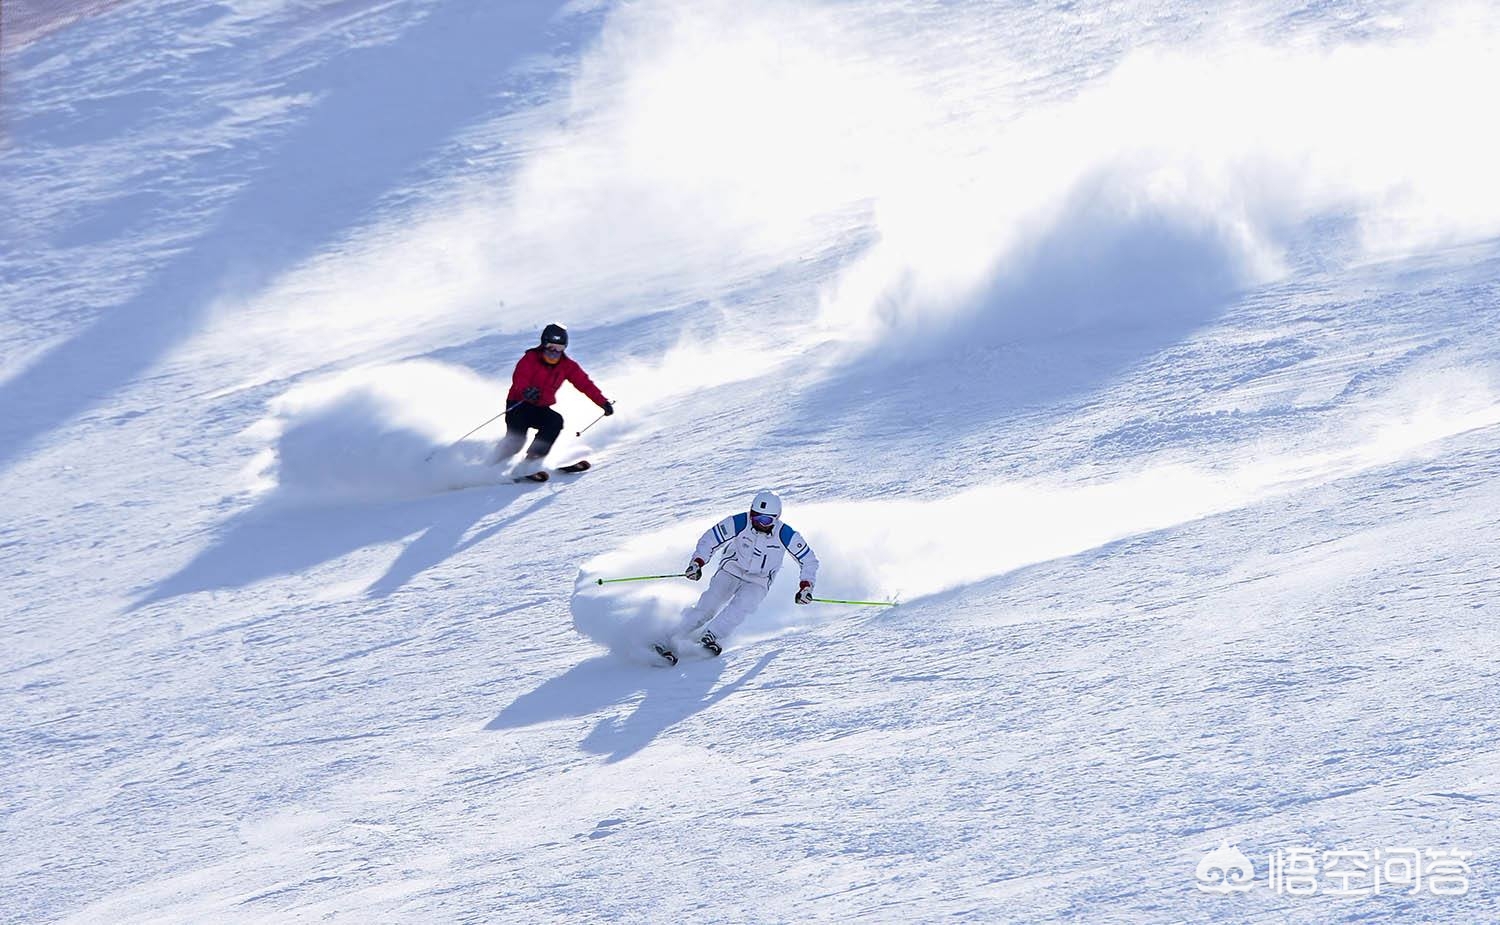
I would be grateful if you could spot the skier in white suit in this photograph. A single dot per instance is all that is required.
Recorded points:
(755, 544)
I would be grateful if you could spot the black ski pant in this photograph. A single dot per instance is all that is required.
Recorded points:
(547, 423)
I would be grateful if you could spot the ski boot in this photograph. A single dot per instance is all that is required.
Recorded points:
(710, 642)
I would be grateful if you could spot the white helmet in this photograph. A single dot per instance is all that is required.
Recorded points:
(765, 504)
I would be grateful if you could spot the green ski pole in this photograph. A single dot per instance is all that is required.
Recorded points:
(830, 600)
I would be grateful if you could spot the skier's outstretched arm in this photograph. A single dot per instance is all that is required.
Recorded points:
(807, 562)
(712, 538)
(584, 384)
(719, 534)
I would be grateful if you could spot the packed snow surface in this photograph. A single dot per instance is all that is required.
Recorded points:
(1145, 353)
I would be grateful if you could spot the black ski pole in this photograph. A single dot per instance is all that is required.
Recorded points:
(475, 430)
(595, 421)
(605, 581)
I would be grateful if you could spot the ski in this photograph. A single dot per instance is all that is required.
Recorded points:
(542, 475)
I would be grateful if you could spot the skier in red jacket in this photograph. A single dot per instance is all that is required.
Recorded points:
(539, 373)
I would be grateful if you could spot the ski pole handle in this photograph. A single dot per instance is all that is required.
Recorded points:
(602, 581)
(830, 600)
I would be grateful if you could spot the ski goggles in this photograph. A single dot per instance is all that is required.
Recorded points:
(762, 520)
(554, 349)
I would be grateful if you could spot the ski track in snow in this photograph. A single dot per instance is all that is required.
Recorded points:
(1193, 550)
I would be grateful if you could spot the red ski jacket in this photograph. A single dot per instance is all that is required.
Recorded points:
(532, 370)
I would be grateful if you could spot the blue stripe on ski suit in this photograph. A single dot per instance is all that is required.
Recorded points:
(786, 540)
(741, 521)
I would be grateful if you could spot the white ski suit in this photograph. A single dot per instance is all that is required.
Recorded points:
(749, 566)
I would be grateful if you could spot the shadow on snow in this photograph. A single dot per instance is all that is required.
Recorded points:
(388, 105)
(603, 682)
(273, 540)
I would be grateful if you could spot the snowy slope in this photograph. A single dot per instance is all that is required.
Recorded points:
(1150, 358)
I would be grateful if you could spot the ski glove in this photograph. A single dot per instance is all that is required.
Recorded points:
(804, 593)
(694, 571)
(609, 408)
(532, 393)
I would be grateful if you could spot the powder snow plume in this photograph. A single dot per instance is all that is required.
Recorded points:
(367, 434)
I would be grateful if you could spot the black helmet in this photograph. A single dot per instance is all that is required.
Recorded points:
(554, 334)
